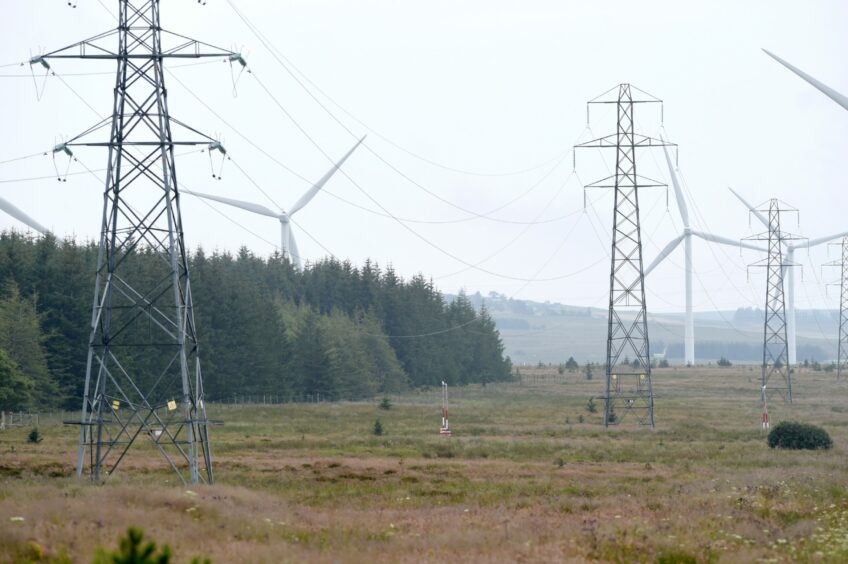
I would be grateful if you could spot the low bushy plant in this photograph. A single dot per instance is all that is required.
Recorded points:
(793, 435)
(132, 549)
(35, 436)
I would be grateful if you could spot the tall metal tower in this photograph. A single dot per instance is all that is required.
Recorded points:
(776, 374)
(842, 264)
(628, 385)
(143, 378)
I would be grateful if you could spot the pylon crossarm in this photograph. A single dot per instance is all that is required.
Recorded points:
(178, 47)
(642, 182)
(612, 141)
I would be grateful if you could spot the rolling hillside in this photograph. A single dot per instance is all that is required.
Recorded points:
(551, 332)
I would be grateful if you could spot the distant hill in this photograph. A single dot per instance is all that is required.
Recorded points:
(552, 332)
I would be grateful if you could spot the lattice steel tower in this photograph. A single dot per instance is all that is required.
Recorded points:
(842, 264)
(143, 375)
(775, 365)
(628, 386)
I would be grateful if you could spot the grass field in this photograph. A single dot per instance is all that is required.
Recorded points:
(529, 475)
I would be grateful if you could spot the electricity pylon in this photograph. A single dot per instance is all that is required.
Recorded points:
(628, 386)
(143, 375)
(842, 264)
(776, 366)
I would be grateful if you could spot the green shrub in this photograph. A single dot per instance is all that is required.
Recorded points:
(676, 557)
(792, 435)
(386, 404)
(35, 436)
(133, 550)
(378, 428)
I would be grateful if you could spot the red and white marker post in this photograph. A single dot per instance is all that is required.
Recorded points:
(445, 429)
(765, 411)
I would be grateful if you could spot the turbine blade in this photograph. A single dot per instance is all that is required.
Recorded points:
(320, 184)
(295, 254)
(255, 208)
(725, 241)
(840, 99)
(18, 214)
(758, 214)
(678, 193)
(820, 240)
(664, 253)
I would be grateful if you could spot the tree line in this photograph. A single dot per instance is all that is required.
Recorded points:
(334, 329)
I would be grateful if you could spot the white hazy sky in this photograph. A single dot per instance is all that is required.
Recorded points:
(485, 86)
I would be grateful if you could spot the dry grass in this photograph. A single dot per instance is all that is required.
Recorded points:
(521, 480)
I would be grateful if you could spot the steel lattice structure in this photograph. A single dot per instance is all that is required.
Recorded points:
(628, 386)
(842, 264)
(775, 365)
(143, 377)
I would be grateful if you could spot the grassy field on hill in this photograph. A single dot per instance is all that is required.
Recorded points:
(529, 475)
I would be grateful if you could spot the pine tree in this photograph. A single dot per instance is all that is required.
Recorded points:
(22, 339)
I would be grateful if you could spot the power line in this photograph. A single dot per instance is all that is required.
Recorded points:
(386, 162)
(109, 73)
(279, 163)
(395, 218)
(280, 58)
(517, 237)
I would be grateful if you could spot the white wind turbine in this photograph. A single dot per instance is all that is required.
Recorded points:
(288, 245)
(842, 100)
(19, 214)
(686, 237)
(789, 273)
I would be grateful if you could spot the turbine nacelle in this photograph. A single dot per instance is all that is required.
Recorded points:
(288, 244)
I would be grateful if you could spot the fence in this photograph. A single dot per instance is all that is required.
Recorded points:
(9, 419)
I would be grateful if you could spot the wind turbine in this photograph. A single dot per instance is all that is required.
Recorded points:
(19, 214)
(686, 237)
(288, 245)
(790, 272)
(842, 100)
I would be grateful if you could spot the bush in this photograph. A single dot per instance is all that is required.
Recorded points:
(675, 557)
(723, 362)
(133, 550)
(378, 428)
(663, 363)
(591, 406)
(386, 404)
(35, 436)
(792, 435)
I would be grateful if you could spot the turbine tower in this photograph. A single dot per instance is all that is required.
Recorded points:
(143, 377)
(628, 387)
(790, 249)
(686, 237)
(288, 245)
(842, 264)
(776, 364)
